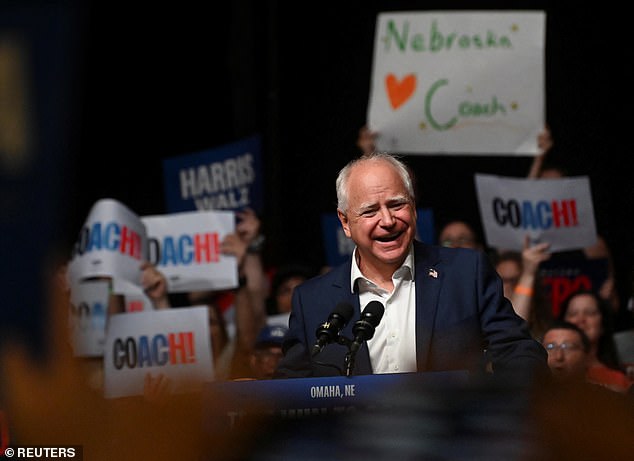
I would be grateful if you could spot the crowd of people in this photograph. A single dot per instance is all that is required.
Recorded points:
(524, 287)
(263, 302)
(454, 304)
(245, 338)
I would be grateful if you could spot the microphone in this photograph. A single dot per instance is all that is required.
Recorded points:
(364, 328)
(328, 331)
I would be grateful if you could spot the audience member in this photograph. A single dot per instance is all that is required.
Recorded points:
(154, 285)
(285, 279)
(232, 346)
(266, 353)
(462, 234)
(574, 417)
(591, 314)
(538, 168)
(568, 350)
(520, 278)
(231, 342)
(544, 167)
(508, 265)
(454, 317)
(366, 141)
(459, 234)
(221, 344)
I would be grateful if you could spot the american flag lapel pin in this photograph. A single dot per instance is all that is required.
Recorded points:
(433, 273)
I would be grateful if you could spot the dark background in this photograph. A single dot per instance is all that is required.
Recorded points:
(118, 86)
(175, 79)
(123, 85)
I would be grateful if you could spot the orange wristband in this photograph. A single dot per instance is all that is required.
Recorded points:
(523, 290)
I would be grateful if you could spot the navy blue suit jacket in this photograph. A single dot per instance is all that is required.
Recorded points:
(461, 312)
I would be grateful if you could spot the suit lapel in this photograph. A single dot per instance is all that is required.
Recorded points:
(341, 283)
(428, 282)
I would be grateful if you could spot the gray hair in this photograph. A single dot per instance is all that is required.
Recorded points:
(344, 174)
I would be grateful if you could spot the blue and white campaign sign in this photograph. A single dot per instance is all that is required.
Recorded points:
(558, 211)
(174, 343)
(111, 243)
(185, 247)
(87, 317)
(228, 177)
(339, 247)
(458, 82)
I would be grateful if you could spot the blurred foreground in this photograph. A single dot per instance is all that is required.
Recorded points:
(51, 403)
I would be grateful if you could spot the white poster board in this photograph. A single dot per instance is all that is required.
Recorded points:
(111, 243)
(558, 211)
(185, 247)
(87, 317)
(459, 82)
(172, 342)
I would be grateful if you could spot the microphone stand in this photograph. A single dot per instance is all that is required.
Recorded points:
(350, 355)
(349, 363)
(363, 330)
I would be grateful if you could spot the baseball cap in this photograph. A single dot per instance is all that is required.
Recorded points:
(271, 335)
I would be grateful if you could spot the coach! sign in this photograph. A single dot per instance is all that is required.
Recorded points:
(558, 211)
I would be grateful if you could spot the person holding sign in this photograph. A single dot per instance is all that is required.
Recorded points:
(523, 286)
(154, 285)
(442, 309)
(366, 142)
(230, 352)
(544, 166)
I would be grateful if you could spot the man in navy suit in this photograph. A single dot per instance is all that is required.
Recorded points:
(444, 308)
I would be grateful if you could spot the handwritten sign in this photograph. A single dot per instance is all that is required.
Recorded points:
(171, 342)
(458, 82)
(558, 211)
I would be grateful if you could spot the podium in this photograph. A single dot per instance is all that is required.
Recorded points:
(431, 415)
(299, 398)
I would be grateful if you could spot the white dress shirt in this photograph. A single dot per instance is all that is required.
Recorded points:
(393, 346)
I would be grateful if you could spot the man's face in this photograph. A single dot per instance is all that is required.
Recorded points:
(570, 361)
(264, 361)
(381, 218)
